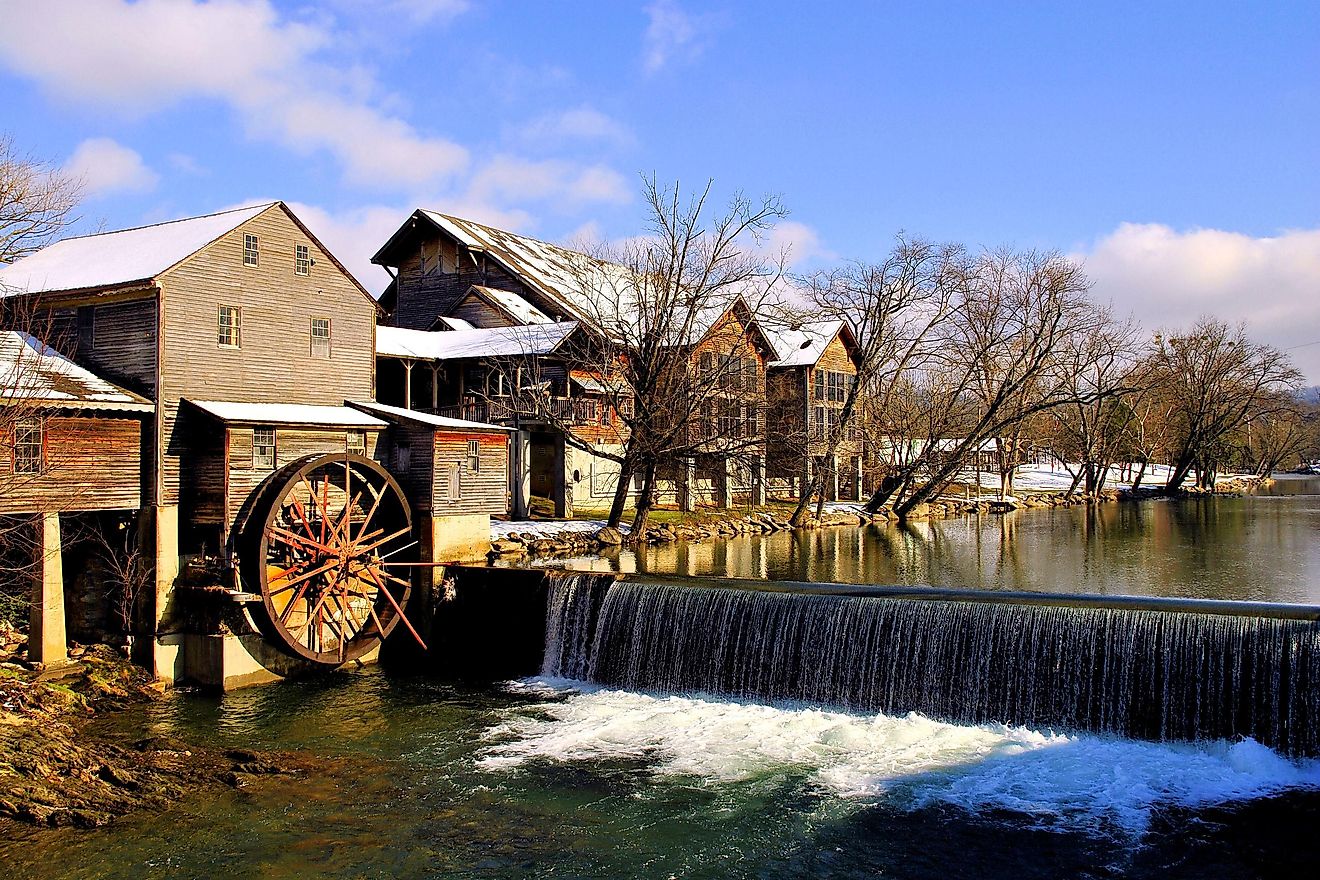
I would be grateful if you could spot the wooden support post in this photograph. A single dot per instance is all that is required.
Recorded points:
(687, 484)
(435, 387)
(758, 481)
(833, 476)
(520, 474)
(407, 384)
(723, 482)
(857, 478)
(47, 639)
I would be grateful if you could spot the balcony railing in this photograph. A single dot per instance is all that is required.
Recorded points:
(568, 410)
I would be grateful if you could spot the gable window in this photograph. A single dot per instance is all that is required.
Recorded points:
(302, 260)
(29, 446)
(263, 449)
(320, 337)
(230, 327)
(355, 442)
(474, 455)
(251, 254)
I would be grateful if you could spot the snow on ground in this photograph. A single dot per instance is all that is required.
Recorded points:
(546, 528)
(1044, 477)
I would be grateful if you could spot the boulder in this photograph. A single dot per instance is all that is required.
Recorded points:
(608, 537)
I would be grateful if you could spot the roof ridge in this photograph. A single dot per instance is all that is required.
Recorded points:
(262, 205)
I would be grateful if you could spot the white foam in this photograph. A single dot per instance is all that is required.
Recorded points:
(1087, 783)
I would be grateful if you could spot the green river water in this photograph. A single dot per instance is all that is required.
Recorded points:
(561, 779)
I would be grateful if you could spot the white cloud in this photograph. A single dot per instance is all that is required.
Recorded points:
(798, 242)
(511, 177)
(580, 123)
(144, 56)
(105, 166)
(423, 11)
(1168, 279)
(671, 33)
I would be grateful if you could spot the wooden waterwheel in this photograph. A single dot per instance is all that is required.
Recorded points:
(327, 543)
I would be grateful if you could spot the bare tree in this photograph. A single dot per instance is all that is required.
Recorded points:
(37, 202)
(893, 310)
(671, 365)
(1216, 378)
(997, 364)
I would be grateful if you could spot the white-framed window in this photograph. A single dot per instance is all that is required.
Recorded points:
(355, 442)
(263, 449)
(230, 327)
(474, 455)
(321, 337)
(302, 259)
(29, 446)
(251, 250)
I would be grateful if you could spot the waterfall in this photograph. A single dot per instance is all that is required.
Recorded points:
(1149, 674)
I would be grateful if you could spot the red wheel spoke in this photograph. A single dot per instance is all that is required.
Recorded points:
(397, 609)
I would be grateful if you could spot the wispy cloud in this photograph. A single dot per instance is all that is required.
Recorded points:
(105, 166)
(672, 33)
(577, 124)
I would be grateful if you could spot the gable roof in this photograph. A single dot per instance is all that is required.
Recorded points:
(802, 345)
(441, 345)
(137, 255)
(127, 256)
(33, 372)
(519, 310)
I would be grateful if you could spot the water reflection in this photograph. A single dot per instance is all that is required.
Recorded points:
(1261, 548)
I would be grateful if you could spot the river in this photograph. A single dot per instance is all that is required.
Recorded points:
(552, 778)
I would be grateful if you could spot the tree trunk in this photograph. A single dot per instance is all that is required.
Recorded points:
(1180, 471)
(812, 488)
(645, 502)
(1141, 472)
(621, 492)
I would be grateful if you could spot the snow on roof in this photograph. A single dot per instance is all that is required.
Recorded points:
(570, 278)
(442, 345)
(288, 414)
(425, 418)
(801, 345)
(453, 323)
(518, 308)
(32, 371)
(112, 258)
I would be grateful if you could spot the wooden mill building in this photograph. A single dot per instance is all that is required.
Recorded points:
(243, 337)
(463, 293)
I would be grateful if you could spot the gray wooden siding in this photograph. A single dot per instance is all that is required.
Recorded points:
(275, 363)
(480, 313)
(483, 491)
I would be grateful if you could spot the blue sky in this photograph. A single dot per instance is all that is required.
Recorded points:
(1171, 146)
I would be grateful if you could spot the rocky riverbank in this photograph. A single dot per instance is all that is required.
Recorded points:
(58, 768)
(580, 537)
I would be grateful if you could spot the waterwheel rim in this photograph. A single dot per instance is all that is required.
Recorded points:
(332, 538)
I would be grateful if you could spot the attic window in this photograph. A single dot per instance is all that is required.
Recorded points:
(251, 256)
(302, 260)
(29, 446)
(355, 443)
(474, 455)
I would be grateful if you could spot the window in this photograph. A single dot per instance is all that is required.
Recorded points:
(820, 385)
(251, 255)
(302, 260)
(29, 446)
(355, 442)
(231, 327)
(474, 455)
(320, 337)
(402, 456)
(263, 449)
